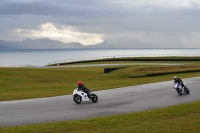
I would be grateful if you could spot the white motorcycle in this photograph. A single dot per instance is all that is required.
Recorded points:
(181, 90)
(79, 96)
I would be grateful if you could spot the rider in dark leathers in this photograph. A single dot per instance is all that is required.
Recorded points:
(83, 88)
(179, 81)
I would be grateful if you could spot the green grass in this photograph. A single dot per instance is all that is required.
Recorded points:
(183, 118)
(136, 72)
(25, 83)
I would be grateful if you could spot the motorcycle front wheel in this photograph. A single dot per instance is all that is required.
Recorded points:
(77, 99)
(94, 98)
(179, 91)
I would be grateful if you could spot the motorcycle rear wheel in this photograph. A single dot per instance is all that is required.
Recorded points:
(187, 90)
(94, 98)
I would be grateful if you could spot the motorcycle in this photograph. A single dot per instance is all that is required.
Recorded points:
(79, 96)
(178, 88)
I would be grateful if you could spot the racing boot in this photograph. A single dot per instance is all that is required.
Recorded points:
(88, 95)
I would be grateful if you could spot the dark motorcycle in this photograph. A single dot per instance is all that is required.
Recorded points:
(181, 90)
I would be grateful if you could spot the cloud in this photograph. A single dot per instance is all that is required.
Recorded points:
(157, 3)
(59, 32)
(89, 22)
(157, 39)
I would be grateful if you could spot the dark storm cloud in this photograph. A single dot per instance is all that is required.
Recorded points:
(83, 13)
(70, 12)
(80, 8)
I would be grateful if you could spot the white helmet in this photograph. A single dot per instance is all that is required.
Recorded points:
(175, 77)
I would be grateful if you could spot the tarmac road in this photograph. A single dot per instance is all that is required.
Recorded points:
(117, 64)
(114, 101)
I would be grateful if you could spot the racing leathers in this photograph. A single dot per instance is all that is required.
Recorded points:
(84, 89)
(179, 81)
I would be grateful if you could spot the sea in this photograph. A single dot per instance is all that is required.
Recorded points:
(43, 57)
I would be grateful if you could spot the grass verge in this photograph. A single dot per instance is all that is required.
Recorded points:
(183, 118)
(26, 83)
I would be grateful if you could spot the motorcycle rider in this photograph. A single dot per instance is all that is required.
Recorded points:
(179, 81)
(83, 88)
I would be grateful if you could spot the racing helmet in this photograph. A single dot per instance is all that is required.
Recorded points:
(175, 77)
(80, 83)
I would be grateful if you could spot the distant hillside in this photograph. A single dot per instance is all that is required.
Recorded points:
(46, 43)
(38, 44)
(108, 44)
(7, 44)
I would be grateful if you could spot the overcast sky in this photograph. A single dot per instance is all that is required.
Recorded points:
(155, 22)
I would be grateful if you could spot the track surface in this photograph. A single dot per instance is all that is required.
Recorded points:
(117, 64)
(114, 101)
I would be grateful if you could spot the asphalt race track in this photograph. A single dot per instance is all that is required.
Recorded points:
(114, 101)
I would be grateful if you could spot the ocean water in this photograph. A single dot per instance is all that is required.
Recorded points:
(42, 57)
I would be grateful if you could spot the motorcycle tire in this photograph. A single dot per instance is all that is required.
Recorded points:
(187, 90)
(179, 91)
(94, 98)
(77, 99)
